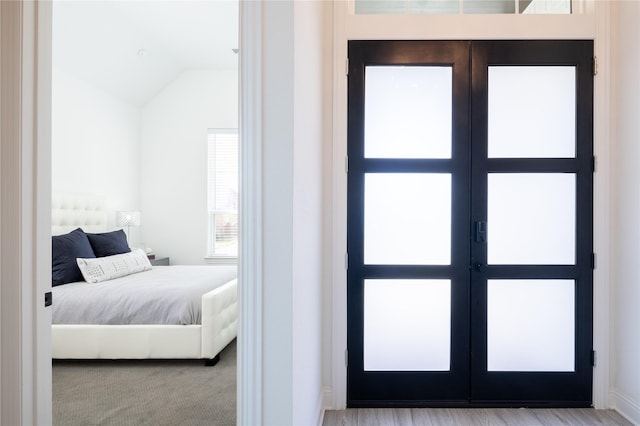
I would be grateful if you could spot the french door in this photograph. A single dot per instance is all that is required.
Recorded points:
(470, 175)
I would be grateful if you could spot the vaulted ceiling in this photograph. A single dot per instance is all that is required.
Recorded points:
(132, 49)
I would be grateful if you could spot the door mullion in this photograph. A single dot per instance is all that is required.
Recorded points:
(478, 253)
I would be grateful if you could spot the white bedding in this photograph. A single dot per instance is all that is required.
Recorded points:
(162, 295)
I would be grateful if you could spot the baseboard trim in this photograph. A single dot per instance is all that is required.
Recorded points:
(326, 402)
(320, 407)
(327, 398)
(626, 406)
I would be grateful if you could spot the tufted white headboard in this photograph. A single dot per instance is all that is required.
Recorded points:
(77, 210)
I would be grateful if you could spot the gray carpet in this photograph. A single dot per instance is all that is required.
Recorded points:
(145, 392)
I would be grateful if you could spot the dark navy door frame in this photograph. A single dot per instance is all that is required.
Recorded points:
(468, 383)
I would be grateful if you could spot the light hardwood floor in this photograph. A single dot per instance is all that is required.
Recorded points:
(472, 417)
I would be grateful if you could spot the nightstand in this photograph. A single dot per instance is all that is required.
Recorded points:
(159, 261)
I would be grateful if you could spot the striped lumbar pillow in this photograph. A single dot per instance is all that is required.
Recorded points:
(109, 267)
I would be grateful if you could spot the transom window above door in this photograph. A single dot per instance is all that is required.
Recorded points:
(417, 7)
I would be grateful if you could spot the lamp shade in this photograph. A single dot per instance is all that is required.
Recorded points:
(131, 218)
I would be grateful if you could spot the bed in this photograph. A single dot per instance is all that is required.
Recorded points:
(212, 327)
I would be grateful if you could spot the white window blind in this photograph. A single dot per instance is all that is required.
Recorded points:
(222, 197)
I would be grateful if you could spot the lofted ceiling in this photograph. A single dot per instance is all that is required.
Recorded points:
(133, 49)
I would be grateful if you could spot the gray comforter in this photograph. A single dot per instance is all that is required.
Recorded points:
(162, 295)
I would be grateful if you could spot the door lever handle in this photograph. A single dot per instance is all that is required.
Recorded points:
(481, 231)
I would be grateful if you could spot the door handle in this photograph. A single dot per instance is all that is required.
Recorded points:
(481, 231)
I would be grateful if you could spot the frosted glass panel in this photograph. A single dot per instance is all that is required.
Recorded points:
(532, 112)
(407, 112)
(556, 7)
(531, 218)
(489, 6)
(370, 7)
(407, 325)
(407, 219)
(363, 7)
(530, 325)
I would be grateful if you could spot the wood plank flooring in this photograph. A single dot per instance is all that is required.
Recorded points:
(473, 417)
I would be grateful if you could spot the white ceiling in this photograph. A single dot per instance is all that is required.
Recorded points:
(99, 41)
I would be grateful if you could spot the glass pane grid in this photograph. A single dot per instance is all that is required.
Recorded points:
(531, 325)
(407, 219)
(408, 111)
(532, 112)
(407, 325)
(531, 219)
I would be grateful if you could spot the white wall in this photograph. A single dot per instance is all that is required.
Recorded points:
(173, 149)
(292, 136)
(309, 139)
(94, 145)
(151, 159)
(277, 207)
(625, 307)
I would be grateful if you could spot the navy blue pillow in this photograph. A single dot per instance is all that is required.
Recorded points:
(109, 243)
(65, 249)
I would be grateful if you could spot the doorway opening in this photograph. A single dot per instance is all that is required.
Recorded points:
(136, 86)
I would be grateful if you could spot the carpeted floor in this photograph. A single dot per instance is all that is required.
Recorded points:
(145, 392)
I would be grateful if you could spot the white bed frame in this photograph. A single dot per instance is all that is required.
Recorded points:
(84, 341)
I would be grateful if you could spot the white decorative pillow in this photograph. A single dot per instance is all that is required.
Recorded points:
(99, 269)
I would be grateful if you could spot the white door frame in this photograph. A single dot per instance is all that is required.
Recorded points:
(25, 213)
(249, 400)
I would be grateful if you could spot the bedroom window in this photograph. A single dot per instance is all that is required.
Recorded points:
(222, 186)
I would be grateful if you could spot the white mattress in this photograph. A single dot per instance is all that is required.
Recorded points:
(162, 295)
